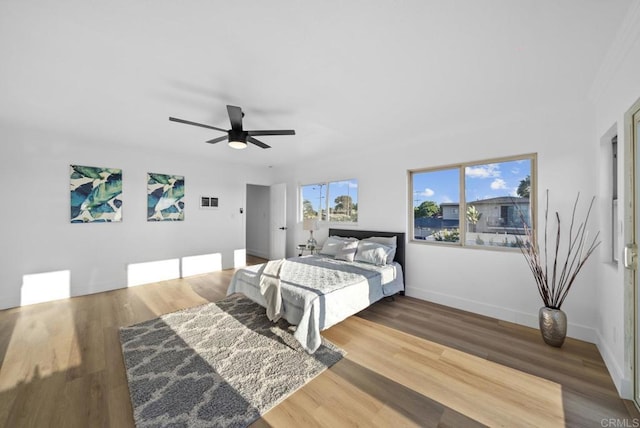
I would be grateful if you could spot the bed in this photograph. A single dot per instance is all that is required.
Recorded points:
(318, 291)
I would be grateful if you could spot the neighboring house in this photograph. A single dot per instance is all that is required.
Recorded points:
(424, 227)
(502, 214)
(450, 211)
(497, 215)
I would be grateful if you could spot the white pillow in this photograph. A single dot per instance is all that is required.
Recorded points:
(333, 244)
(391, 242)
(348, 251)
(372, 253)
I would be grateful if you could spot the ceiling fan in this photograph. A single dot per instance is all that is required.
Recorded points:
(237, 136)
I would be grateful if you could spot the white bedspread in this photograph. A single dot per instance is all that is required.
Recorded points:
(318, 292)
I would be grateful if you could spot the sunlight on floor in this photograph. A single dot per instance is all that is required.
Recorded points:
(44, 287)
(456, 379)
(43, 342)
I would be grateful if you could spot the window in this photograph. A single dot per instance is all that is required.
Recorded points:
(335, 201)
(475, 204)
(314, 200)
(436, 205)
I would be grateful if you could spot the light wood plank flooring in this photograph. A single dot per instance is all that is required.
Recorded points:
(408, 363)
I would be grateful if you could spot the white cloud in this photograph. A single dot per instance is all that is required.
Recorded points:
(427, 193)
(446, 200)
(483, 171)
(498, 183)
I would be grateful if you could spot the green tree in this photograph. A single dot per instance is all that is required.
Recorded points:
(344, 204)
(524, 188)
(307, 210)
(426, 209)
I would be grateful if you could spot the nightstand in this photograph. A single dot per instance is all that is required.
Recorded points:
(302, 248)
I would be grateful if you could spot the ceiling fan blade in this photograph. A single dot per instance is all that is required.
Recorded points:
(274, 132)
(217, 140)
(188, 122)
(235, 116)
(257, 142)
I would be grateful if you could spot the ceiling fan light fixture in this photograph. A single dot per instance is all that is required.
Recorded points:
(238, 145)
(237, 139)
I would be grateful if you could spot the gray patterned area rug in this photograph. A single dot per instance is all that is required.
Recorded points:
(221, 364)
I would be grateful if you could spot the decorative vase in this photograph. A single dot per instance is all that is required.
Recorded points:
(553, 326)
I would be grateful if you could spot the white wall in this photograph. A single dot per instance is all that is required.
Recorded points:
(614, 92)
(38, 238)
(493, 283)
(573, 157)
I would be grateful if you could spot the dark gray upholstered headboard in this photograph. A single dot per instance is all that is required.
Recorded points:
(361, 234)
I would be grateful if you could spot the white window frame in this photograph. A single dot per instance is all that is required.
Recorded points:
(462, 210)
(327, 202)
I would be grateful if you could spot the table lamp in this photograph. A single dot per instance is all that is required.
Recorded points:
(310, 224)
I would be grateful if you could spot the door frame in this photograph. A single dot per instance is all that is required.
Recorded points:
(631, 229)
(275, 229)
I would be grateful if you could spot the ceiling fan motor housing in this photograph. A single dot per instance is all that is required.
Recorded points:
(236, 135)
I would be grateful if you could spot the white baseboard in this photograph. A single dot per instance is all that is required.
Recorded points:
(576, 331)
(8, 303)
(621, 378)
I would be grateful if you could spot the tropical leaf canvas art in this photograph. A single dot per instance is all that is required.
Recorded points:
(165, 197)
(96, 194)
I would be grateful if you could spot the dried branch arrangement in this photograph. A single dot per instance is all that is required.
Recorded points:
(554, 286)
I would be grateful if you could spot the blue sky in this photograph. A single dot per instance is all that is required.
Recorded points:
(482, 182)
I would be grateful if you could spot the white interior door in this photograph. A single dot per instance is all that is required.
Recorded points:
(278, 214)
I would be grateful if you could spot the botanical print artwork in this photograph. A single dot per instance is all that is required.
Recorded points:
(96, 194)
(165, 200)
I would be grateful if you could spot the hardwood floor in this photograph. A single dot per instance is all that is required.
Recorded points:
(408, 363)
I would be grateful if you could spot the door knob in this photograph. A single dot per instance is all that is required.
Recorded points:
(630, 256)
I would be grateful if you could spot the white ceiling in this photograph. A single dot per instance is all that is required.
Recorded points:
(344, 75)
